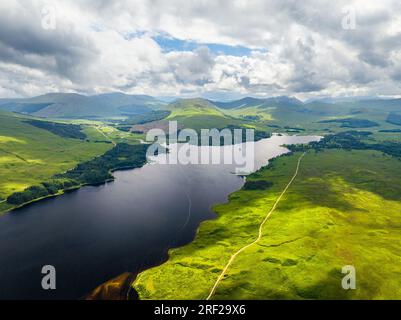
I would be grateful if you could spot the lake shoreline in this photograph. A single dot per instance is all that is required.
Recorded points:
(103, 287)
(61, 192)
(112, 227)
(11, 208)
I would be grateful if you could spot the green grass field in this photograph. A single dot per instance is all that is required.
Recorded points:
(342, 209)
(29, 155)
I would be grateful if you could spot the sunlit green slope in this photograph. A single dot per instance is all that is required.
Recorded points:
(342, 209)
(200, 114)
(30, 155)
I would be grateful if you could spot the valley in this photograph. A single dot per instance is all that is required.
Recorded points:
(192, 157)
(340, 209)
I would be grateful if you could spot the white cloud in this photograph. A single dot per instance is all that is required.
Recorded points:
(101, 46)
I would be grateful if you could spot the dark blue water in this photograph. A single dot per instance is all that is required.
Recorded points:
(97, 233)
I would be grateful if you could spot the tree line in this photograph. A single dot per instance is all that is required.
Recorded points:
(64, 130)
(349, 140)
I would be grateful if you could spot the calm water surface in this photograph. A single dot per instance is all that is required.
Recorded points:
(97, 233)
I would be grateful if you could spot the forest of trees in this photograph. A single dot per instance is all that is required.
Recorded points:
(98, 170)
(36, 192)
(72, 131)
(352, 123)
(351, 140)
(257, 185)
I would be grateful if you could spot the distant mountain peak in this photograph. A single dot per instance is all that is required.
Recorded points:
(285, 99)
(256, 102)
(74, 105)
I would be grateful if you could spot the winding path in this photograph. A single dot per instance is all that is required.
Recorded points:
(220, 278)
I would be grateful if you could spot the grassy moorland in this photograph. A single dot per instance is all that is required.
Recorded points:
(77, 106)
(342, 209)
(29, 155)
(35, 155)
(93, 172)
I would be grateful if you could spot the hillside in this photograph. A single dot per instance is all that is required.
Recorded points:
(72, 105)
(29, 154)
(388, 105)
(194, 114)
(341, 209)
(200, 114)
(242, 103)
(191, 107)
(260, 103)
(286, 114)
(281, 114)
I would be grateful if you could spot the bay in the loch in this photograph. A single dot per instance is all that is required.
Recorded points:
(97, 233)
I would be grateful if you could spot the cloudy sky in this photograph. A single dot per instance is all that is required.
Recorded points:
(215, 49)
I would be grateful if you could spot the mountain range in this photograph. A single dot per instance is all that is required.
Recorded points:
(72, 105)
(109, 105)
